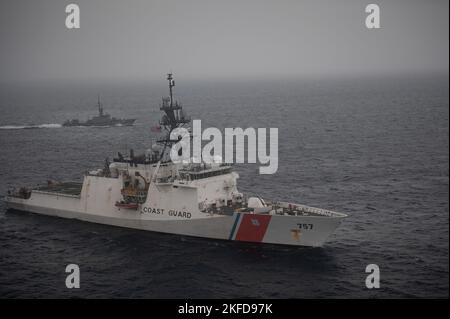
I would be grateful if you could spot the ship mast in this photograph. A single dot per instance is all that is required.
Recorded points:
(174, 116)
(171, 85)
(100, 106)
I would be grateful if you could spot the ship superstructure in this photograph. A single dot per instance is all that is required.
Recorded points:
(150, 192)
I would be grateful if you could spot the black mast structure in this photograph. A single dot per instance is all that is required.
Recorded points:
(174, 116)
(100, 106)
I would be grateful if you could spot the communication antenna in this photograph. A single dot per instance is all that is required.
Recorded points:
(100, 106)
(171, 85)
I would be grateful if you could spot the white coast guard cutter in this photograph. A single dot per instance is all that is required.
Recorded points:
(150, 192)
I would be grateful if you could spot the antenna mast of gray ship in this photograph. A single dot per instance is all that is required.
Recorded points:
(100, 106)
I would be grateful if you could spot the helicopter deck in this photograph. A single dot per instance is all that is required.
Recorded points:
(66, 188)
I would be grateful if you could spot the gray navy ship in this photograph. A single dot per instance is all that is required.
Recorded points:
(103, 119)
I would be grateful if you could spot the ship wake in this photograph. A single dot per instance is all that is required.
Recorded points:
(30, 126)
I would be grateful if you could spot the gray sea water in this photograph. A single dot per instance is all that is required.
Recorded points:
(374, 148)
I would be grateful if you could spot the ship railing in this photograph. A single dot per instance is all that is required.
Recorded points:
(300, 209)
(55, 193)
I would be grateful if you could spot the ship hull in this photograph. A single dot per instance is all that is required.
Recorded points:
(257, 228)
(127, 122)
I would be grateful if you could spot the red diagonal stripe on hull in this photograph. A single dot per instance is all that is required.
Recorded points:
(253, 227)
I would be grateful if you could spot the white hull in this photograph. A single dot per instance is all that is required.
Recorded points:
(248, 227)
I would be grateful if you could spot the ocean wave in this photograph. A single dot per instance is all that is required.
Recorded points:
(30, 126)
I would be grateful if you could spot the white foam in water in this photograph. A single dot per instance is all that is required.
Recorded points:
(18, 127)
(50, 126)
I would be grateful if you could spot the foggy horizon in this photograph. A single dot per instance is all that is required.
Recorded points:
(143, 40)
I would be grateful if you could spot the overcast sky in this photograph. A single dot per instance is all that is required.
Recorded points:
(143, 39)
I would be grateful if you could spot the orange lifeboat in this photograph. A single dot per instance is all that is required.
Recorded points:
(127, 205)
